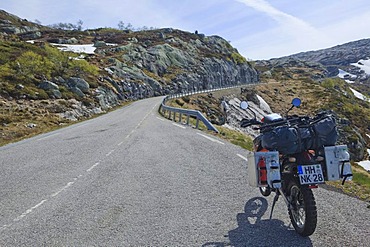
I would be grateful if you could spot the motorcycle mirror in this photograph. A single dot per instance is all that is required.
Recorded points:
(244, 105)
(296, 102)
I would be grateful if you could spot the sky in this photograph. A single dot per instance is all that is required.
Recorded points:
(259, 29)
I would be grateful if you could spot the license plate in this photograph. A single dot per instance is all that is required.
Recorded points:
(310, 174)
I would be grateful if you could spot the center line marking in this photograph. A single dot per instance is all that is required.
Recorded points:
(211, 139)
(96, 164)
(28, 211)
(109, 153)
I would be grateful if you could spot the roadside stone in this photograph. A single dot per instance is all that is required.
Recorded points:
(19, 86)
(31, 125)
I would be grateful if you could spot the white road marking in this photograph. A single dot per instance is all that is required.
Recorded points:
(211, 139)
(81, 125)
(46, 137)
(109, 153)
(178, 125)
(241, 156)
(119, 144)
(160, 119)
(90, 169)
(28, 211)
(62, 189)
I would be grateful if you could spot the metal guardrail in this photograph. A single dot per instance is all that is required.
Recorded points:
(171, 112)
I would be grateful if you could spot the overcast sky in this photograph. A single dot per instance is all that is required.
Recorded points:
(259, 29)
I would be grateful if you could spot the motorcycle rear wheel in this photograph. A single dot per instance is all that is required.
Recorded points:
(302, 210)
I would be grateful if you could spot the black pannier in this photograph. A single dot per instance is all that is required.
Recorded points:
(283, 139)
(290, 140)
(325, 132)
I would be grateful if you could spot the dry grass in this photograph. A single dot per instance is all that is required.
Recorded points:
(23, 119)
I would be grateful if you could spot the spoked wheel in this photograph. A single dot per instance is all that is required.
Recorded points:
(265, 191)
(302, 210)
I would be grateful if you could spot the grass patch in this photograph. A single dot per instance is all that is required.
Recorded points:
(236, 138)
(359, 187)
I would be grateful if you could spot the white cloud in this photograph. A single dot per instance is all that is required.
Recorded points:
(290, 34)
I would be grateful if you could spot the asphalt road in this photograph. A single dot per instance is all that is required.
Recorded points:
(133, 178)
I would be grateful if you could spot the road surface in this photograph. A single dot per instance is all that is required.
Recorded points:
(133, 178)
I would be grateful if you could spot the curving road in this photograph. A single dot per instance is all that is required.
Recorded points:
(133, 178)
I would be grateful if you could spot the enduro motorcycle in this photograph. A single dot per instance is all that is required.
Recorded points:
(293, 155)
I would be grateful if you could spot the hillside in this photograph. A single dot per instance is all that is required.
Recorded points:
(282, 79)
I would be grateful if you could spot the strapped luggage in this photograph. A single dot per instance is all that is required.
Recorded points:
(290, 140)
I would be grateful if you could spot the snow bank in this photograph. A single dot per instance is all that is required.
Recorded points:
(364, 65)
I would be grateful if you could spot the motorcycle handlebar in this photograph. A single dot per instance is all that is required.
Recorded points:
(299, 121)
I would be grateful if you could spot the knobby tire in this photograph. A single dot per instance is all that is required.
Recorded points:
(302, 211)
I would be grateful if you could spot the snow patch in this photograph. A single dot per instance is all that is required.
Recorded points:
(88, 49)
(359, 95)
(363, 65)
(365, 164)
(346, 76)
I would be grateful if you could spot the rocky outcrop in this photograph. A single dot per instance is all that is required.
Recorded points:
(332, 59)
(11, 24)
(177, 62)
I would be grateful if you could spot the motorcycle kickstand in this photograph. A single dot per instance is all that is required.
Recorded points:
(278, 193)
(276, 198)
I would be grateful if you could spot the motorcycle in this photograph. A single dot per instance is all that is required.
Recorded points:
(293, 155)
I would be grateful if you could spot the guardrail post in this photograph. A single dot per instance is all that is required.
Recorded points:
(180, 120)
(188, 119)
(197, 123)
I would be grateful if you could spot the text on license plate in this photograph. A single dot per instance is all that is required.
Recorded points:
(310, 174)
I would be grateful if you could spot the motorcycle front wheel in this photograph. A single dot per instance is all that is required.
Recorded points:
(302, 210)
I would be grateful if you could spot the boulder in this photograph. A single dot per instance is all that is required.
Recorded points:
(100, 44)
(79, 83)
(77, 91)
(48, 85)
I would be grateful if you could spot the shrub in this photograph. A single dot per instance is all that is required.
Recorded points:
(237, 58)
